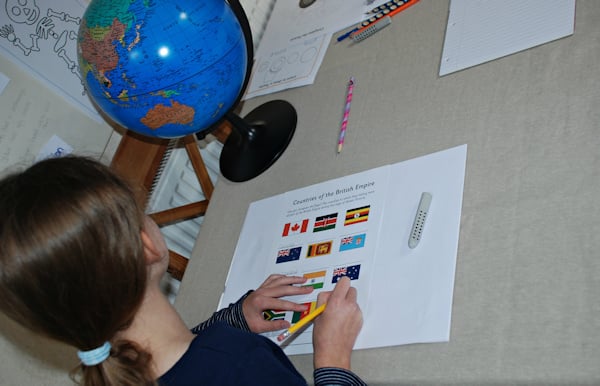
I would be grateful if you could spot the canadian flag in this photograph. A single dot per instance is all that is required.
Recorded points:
(295, 228)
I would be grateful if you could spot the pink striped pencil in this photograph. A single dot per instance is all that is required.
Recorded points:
(346, 115)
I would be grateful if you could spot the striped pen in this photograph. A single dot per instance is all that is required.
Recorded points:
(346, 115)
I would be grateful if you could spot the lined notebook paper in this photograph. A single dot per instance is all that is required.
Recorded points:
(482, 30)
(258, 13)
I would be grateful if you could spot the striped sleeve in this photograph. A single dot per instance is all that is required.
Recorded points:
(333, 376)
(232, 315)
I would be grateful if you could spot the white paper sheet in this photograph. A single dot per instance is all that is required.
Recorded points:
(4, 80)
(405, 294)
(41, 37)
(482, 30)
(295, 41)
(55, 147)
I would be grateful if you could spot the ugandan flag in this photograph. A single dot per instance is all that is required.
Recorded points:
(315, 279)
(319, 249)
(356, 215)
(310, 307)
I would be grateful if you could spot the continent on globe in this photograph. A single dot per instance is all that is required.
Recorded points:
(97, 48)
(160, 115)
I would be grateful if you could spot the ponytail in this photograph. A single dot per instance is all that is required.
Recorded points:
(127, 365)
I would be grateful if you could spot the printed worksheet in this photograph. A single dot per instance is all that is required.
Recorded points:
(326, 232)
(359, 226)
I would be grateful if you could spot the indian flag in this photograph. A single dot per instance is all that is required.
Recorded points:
(315, 279)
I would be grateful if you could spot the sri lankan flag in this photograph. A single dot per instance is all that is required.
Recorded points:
(319, 249)
(315, 279)
(356, 215)
(310, 307)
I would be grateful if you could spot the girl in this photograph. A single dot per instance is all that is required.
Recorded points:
(80, 263)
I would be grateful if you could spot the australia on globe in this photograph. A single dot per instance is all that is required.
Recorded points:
(162, 68)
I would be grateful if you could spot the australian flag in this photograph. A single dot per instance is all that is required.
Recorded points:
(351, 271)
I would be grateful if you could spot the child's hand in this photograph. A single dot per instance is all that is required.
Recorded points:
(266, 297)
(336, 329)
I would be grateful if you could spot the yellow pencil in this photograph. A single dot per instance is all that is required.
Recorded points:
(301, 323)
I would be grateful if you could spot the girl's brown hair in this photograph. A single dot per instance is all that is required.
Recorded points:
(72, 264)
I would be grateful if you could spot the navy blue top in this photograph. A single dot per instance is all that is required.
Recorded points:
(224, 355)
(226, 352)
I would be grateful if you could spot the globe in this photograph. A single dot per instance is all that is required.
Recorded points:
(162, 68)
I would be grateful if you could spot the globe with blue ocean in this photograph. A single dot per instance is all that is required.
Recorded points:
(162, 68)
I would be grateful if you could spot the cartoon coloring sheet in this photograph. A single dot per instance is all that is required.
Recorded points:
(41, 37)
(358, 226)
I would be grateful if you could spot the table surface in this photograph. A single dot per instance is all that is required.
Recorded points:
(528, 268)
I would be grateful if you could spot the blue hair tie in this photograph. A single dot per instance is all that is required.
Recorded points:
(95, 356)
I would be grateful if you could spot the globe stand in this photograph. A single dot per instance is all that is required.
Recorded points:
(258, 140)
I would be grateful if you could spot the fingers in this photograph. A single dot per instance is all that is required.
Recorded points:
(352, 295)
(270, 280)
(323, 297)
(341, 290)
(279, 304)
(278, 325)
(281, 291)
(276, 280)
(273, 325)
(277, 286)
